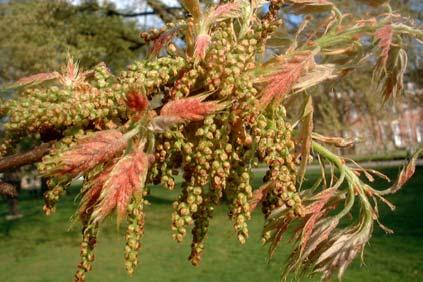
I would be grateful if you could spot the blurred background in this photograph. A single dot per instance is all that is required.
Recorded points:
(37, 36)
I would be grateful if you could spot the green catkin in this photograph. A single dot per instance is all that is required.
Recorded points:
(56, 186)
(89, 240)
(216, 131)
(199, 232)
(134, 233)
(168, 158)
(239, 60)
(184, 85)
(216, 57)
(64, 109)
(102, 76)
(239, 193)
(276, 149)
(150, 75)
(197, 159)
(268, 24)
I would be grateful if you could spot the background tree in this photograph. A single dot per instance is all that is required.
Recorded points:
(37, 36)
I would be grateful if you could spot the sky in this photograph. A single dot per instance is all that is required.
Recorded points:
(139, 6)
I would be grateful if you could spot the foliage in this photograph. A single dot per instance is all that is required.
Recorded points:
(36, 36)
(215, 107)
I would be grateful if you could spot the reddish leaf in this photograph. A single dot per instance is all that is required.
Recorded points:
(384, 35)
(406, 173)
(189, 109)
(136, 101)
(316, 210)
(281, 81)
(202, 43)
(37, 78)
(90, 151)
(163, 123)
(125, 180)
(93, 192)
(390, 77)
(72, 76)
(225, 10)
(163, 40)
(336, 141)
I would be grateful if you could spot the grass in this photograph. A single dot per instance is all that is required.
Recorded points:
(39, 248)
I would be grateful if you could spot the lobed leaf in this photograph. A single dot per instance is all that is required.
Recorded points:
(125, 180)
(189, 109)
(384, 36)
(287, 71)
(336, 141)
(90, 151)
(37, 78)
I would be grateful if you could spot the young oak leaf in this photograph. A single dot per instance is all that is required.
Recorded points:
(390, 74)
(92, 194)
(316, 211)
(319, 74)
(71, 76)
(125, 180)
(37, 78)
(225, 11)
(190, 109)
(219, 13)
(342, 249)
(406, 173)
(163, 40)
(336, 141)
(384, 36)
(136, 101)
(184, 110)
(304, 138)
(90, 151)
(288, 70)
(202, 43)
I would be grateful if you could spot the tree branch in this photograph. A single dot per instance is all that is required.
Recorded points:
(140, 14)
(28, 157)
(160, 9)
(165, 13)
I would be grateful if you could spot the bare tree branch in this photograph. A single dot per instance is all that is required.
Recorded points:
(165, 13)
(28, 157)
(164, 10)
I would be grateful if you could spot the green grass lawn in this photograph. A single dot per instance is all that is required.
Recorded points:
(40, 248)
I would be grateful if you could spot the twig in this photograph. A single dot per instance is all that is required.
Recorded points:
(25, 158)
